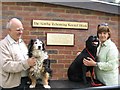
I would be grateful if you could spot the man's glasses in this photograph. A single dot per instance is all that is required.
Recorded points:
(20, 29)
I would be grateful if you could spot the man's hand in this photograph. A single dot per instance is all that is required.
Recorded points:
(32, 61)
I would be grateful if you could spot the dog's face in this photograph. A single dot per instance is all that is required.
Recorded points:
(92, 42)
(38, 45)
(35, 44)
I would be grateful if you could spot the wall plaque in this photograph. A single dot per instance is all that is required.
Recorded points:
(60, 39)
(60, 24)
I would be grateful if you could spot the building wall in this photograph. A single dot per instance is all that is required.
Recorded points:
(61, 56)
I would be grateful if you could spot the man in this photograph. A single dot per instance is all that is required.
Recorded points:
(14, 60)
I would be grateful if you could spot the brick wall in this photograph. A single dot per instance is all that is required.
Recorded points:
(61, 56)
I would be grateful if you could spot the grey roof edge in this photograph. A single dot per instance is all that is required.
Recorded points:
(97, 6)
(85, 4)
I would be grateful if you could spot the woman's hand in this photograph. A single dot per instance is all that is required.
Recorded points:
(89, 62)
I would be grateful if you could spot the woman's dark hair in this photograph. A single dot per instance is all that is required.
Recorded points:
(103, 28)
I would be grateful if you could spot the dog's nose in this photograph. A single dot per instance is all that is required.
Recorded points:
(39, 47)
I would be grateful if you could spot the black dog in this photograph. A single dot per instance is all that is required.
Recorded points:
(77, 70)
(42, 69)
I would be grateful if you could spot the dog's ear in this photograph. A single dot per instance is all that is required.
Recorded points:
(30, 47)
(43, 46)
(89, 42)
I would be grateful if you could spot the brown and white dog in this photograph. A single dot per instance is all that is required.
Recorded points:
(41, 70)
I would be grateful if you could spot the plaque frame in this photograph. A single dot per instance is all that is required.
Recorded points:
(60, 39)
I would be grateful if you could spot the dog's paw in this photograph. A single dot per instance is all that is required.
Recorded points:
(46, 86)
(32, 86)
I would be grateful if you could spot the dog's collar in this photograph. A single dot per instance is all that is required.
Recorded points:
(90, 54)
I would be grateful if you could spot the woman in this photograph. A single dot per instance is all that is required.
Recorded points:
(106, 69)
